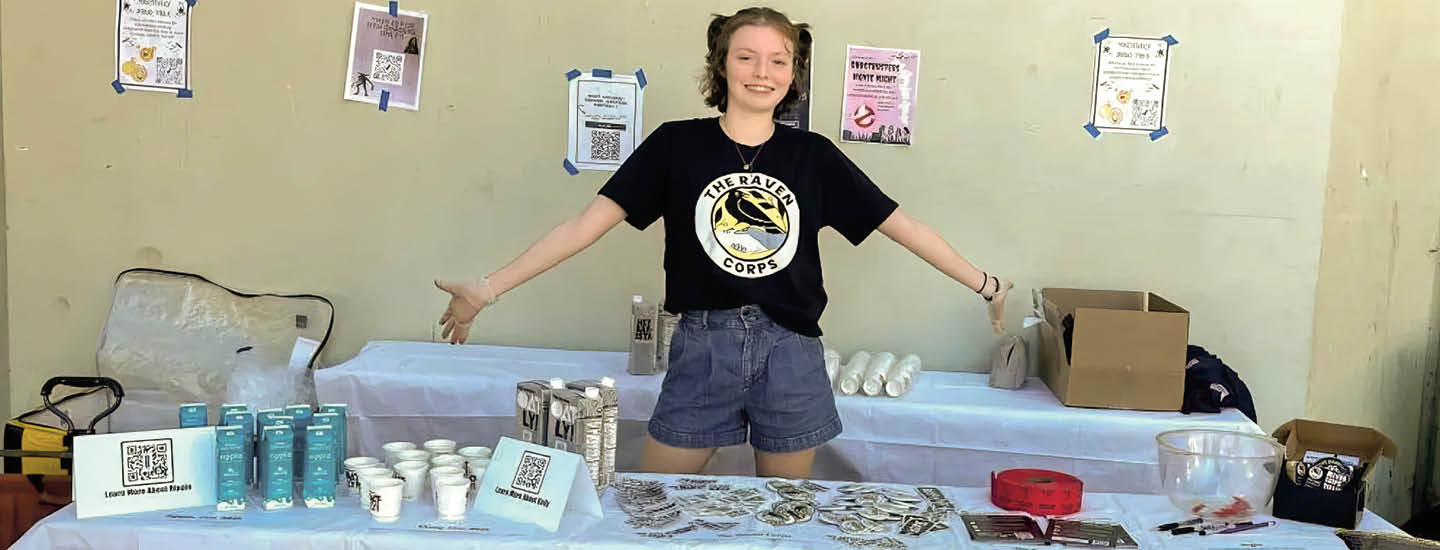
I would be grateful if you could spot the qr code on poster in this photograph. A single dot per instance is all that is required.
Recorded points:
(387, 67)
(605, 145)
(148, 462)
(530, 475)
(1147, 113)
(171, 70)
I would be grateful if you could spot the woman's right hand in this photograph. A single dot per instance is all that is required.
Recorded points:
(467, 298)
(994, 292)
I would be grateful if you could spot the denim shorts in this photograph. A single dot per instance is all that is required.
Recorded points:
(735, 372)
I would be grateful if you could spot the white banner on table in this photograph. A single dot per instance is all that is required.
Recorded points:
(533, 484)
(142, 471)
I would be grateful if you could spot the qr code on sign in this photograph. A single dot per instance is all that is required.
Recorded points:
(387, 67)
(148, 462)
(1147, 113)
(171, 70)
(605, 145)
(530, 475)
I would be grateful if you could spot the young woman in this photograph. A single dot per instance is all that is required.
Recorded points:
(743, 199)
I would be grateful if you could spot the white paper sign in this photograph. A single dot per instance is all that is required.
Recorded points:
(152, 45)
(142, 471)
(303, 353)
(1129, 91)
(604, 120)
(533, 484)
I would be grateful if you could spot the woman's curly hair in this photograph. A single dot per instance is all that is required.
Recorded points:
(714, 86)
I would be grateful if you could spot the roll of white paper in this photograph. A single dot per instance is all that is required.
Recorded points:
(853, 373)
(832, 364)
(876, 371)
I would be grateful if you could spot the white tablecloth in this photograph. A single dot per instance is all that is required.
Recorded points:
(347, 526)
(952, 429)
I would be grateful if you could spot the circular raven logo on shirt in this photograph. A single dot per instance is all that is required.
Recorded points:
(746, 223)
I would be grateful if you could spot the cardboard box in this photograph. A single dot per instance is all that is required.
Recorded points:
(1342, 508)
(1127, 351)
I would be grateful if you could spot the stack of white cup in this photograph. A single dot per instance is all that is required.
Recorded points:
(451, 475)
(876, 374)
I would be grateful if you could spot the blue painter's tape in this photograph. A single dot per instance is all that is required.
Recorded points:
(572, 74)
(384, 100)
(570, 168)
(640, 76)
(600, 73)
(1170, 40)
(191, 2)
(118, 88)
(1157, 134)
(1102, 35)
(1090, 127)
(394, 8)
(185, 92)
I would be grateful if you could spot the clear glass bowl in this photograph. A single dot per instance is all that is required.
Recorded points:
(1219, 474)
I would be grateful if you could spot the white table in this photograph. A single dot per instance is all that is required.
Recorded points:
(347, 526)
(952, 429)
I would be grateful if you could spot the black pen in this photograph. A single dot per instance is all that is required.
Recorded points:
(1241, 528)
(1170, 526)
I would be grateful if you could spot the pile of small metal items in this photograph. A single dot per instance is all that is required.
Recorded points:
(717, 499)
(647, 503)
(797, 503)
(866, 509)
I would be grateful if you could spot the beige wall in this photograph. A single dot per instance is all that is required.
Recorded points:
(266, 180)
(4, 272)
(1375, 316)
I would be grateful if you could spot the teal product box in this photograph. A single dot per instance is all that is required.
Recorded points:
(230, 488)
(277, 479)
(319, 480)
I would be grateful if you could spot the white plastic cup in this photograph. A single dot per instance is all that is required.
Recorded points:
(385, 498)
(439, 446)
(445, 472)
(420, 455)
(366, 476)
(451, 498)
(472, 453)
(413, 474)
(448, 460)
(353, 465)
(394, 447)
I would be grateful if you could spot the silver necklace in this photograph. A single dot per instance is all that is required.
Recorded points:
(743, 163)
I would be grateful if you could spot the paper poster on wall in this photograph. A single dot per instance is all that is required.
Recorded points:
(604, 118)
(1129, 86)
(387, 55)
(152, 45)
(880, 95)
(798, 115)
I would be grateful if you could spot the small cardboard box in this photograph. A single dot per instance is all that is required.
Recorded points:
(1342, 508)
(1127, 350)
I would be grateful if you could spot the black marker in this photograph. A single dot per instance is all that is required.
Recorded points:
(1172, 525)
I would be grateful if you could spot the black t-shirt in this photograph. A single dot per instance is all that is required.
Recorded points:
(735, 237)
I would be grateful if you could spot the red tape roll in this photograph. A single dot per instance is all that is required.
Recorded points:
(1037, 492)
